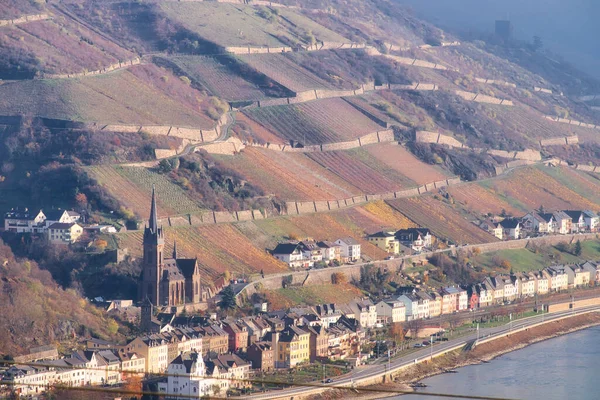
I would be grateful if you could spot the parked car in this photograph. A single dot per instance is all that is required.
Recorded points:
(426, 343)
(416, 346)
(328, 380)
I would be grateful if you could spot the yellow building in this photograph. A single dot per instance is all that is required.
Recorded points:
(292, 347)
(386, 241)
(153, 349)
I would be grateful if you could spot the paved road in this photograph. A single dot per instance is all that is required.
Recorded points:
(361, 374)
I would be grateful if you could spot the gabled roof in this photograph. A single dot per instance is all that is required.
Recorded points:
(413, 231)
(62, 225)
(574, 214)
(381, 234)
(349, 241)
(590, 214)
(546, 217)
(22, 215)
(510, 223)
(187, 266)
(561, 215)
(286, 248)
(325, 244)
(54, 215)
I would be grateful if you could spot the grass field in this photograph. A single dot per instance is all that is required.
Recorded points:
(315, 122)
(282, 70)
(217, 78)
(143, 94)
(60, 46)
(132, 186)
(444, 221)
(282, 299)
(240, 25)
(530, 187)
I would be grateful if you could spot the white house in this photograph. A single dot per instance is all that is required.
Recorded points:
(187, 377)
(61, 216)
(350, 249)
(558, 279)
(311, 251)
(577, 220)
(365, 312)
(511, 228)
(415, 238)
(331, 251)
(538, 222)
(510, 288)
(541, 282)
(592, 221)
(291, 254)
(411, 305)
(562, 223)
(24, 221)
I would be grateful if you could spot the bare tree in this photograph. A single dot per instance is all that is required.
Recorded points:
(414, 327)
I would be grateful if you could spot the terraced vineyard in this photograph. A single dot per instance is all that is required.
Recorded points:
(288, 176)
(217, 247)
(132, 186)
(533, 187)
(285, 72)
(241, 25)
(360, 169)
(59, 46)
(443, 220)
(315, 122)
(476, 198)
(217, 78)
(131, 196)
(402, 161)
(143, 94)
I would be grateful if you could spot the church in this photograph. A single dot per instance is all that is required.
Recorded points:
(170, 282)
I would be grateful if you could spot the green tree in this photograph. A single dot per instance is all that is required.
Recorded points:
(228, 301)
(577, 250)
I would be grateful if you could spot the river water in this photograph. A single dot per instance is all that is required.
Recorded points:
(564, 367)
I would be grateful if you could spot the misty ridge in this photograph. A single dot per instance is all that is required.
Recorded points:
(567, 28)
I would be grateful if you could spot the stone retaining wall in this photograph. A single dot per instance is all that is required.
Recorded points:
(481, 98)
(110, 68)
(24, 19)
(571, 122)
(560, 141)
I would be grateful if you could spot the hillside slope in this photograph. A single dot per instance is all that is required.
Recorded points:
(35, 311)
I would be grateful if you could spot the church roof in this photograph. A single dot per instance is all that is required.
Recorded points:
(187, 266)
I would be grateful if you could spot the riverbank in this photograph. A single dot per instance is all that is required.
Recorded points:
(486, 352)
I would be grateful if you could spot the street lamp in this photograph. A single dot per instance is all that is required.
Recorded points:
(431, 347)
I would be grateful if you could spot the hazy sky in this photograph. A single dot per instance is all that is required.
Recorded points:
(568, 27)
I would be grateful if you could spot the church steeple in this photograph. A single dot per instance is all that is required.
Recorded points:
(175, 250)
(153, 214)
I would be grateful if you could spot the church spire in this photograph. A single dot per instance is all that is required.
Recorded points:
(175, 250)
(153, 214)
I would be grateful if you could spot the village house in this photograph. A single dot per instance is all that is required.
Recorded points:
(538, 222)
(349, 249)
(592, 221)
(132, 364)
(435, 304)
(291, 254)
(230, 369)
(319, 342)
(423, 310)
(187, 377)
(562, 223)
(24, 222)
(411, 305)
(511, 228)
(473, 297)
(328, 313)
(292, 347)
(416, 239)
(541, 282)
(486, 295)
(494, 228)
(331, 251)
(449, 300)
(496, 287)
(365, 312)
(577, 220)
(386, 241)
(558, 280)
(525, 285)
(311, 251)
(262, 356)
(238, 335)
(64, 232)
(391, 311)
(578, 276)
(154, 351)
(214, 339)
(28, 380)
(510, 287)
(594, 269)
